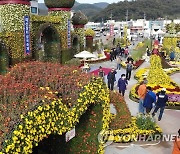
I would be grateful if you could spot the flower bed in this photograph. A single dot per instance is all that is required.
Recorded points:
(123, 125)
(40, 109)
(173, 91)
(135, 65)
(123, 116)
(133, 131)
(138, 63)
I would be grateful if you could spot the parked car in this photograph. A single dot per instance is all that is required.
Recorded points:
(98, 35)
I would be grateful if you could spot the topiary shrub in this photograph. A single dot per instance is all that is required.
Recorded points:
(59, 3)
(74, 62)
(79, 18)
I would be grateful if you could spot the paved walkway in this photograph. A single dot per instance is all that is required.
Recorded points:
(175, 77)
(169, 122)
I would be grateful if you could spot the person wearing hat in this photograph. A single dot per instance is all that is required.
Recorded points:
(111, 78)
(162, 99)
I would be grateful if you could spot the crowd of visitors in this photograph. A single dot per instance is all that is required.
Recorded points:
(148, 99)
(119, 52)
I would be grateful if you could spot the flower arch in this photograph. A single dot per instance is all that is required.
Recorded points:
(57, 118)
(53, 42)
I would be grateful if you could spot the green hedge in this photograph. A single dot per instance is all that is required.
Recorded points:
(67, 55)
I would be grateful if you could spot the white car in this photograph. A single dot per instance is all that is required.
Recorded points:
(98, 35)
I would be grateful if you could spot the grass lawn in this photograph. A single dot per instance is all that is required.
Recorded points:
(140, 50)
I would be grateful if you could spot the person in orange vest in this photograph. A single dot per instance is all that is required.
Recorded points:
(142, 93)
(176, 148)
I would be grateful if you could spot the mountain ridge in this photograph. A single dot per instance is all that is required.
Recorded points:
(138, 9)
(88, 9)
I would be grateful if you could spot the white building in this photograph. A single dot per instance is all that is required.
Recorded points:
(34, 7)
(93, 25)
(176, 21)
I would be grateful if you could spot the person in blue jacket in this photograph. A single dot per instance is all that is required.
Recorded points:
(162, 99)
(122, 83)
(149, 99)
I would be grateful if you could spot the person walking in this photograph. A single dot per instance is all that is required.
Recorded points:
(118, 49)
(142, 93)
(162, 99)
(176, 147)
(101, 73)
(149, 99)
(114, 53)
(111, 78)
(126, 52)
(129, 68)
(148, 53)
(111, 56)
(122, 52)
(118, 61)
(122, 84)
(130, 59)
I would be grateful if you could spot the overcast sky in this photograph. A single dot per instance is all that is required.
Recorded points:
(90, 1)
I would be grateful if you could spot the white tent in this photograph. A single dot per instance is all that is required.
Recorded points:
(85, 55)
(161, 32)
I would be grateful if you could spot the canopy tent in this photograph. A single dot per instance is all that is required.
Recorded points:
(85, 55)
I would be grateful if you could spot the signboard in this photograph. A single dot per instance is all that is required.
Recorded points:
(70, 134)
(69, 34)
(27, 34)
(111, 29)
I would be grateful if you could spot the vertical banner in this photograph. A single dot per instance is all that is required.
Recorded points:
(111, 30)
(69, 34)
(27, 35)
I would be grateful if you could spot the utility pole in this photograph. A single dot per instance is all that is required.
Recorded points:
(144, 16)
(111, 16)
(144, 23)
(127, 13)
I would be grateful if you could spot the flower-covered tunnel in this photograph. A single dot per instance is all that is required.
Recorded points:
(85, 140)
(52, 111)
(48, 46)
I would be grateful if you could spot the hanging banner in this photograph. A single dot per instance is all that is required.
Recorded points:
(27, 34)
(111, 30)
(69, 34)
